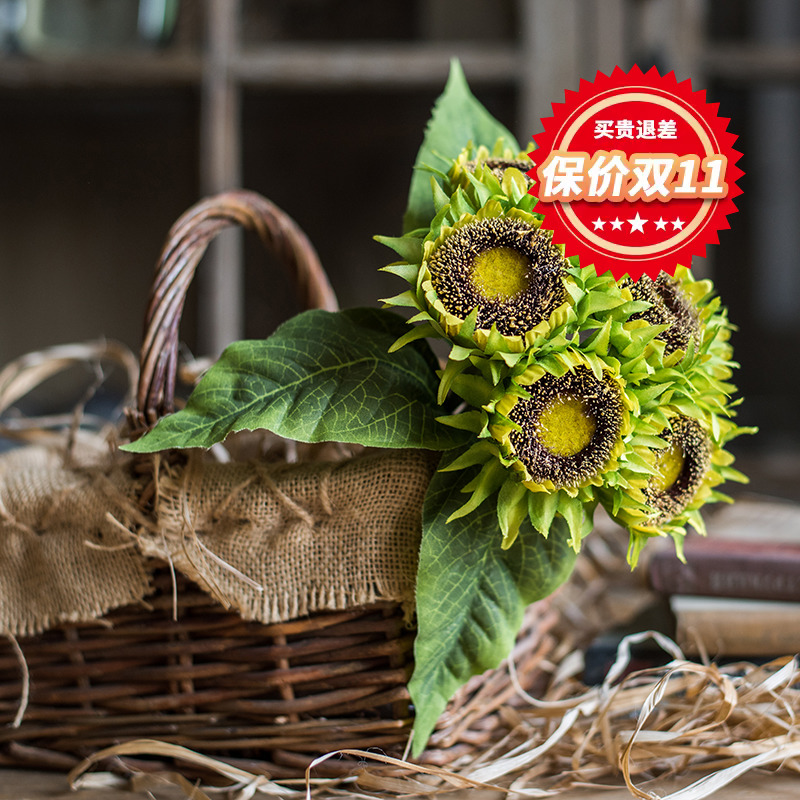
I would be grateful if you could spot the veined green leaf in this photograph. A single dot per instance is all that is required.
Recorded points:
(457, 119)
(322, 376)
(472, 594)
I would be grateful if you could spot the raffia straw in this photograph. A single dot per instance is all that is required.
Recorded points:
(153, 747)
(25, 692)
(729, 720)
(453, 779)
(768, 751)
(26, 372)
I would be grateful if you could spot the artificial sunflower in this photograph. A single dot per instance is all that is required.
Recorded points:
(681, 467)
(686, 471)
(488, 278)
(505, 268)
(684, 380)
(568, 431)
(573, 382)
(548, 437)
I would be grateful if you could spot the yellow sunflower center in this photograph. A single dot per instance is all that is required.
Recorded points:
(500, 272)
(669, 463)
(565, 426)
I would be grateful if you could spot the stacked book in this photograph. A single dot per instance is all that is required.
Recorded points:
(738, 594)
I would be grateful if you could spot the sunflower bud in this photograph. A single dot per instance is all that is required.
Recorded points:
(680, 469)
(490, 168)
(670, 306)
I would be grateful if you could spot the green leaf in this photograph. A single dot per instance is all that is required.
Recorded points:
(472, 594)
(405, 299)
(651, 393)
(474, 421)
(408, 272)
(472, 388)
(599, 340)
(322, 376)
(450, 372)
(598, 301)
(408, 248)
(574, 512)
(457, 119)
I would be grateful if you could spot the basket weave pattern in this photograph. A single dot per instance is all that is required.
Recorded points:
(210, 681)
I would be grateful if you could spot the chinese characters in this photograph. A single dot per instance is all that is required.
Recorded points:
(612, 175)
(641, 129)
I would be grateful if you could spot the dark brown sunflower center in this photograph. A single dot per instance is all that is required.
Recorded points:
(568, 427)
(506, 268)
(681, 468)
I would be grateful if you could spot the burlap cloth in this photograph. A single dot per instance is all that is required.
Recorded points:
(273, 542)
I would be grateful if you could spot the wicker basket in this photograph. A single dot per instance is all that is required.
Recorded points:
(269, 697)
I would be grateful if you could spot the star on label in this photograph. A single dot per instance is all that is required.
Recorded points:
(677, 224)
(598, 224)
(661, 224)
(616, 224)
(637, 223)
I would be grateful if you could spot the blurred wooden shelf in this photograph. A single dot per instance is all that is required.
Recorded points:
(310, 66)
(361, 65)
(133, 69)
(752, 62)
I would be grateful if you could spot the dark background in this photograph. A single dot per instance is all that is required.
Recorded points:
(94, 169)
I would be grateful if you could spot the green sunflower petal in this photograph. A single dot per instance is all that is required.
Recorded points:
(407, 247)
(542, 507)
(424, 331)
(485, 484)
(512, 510)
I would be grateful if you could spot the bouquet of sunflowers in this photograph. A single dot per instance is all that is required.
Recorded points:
(561, 390)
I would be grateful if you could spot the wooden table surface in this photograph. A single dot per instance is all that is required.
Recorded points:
(24, 785)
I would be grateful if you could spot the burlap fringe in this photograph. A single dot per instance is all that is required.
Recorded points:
(276, 542)
(271, 541)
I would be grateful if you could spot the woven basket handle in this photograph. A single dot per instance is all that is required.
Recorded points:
(185, 245)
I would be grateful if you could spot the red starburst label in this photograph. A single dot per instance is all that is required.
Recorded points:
(635, 173)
